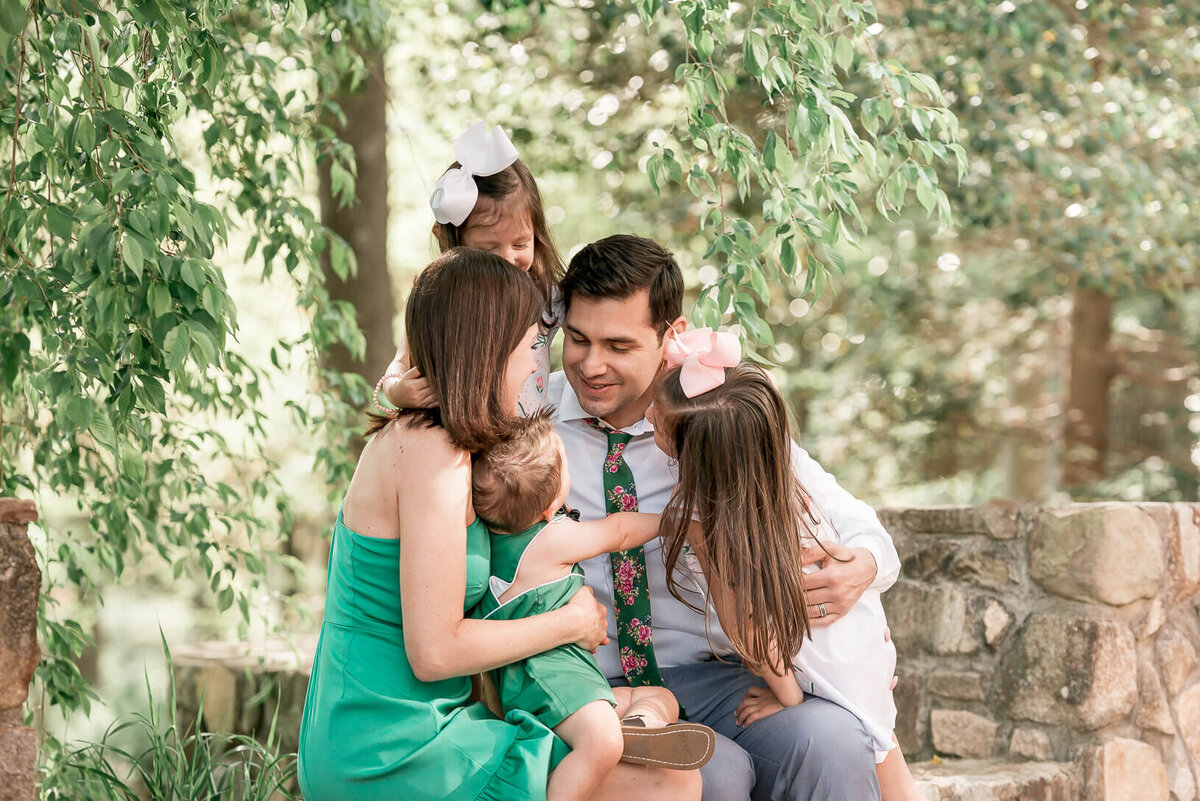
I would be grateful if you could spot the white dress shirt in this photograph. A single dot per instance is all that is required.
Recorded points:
(680, 635)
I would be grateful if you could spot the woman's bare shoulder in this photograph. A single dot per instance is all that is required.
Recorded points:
(404, 445)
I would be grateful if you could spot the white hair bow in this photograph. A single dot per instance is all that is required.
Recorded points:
(480, 152)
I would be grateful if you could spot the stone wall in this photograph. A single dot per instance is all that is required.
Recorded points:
(20, 585)
(1065, 634)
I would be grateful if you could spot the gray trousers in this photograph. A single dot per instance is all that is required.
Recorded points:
(816, 751)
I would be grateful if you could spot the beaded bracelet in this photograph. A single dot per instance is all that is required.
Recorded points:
(379, 386)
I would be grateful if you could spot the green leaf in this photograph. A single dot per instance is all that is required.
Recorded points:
(102, 429)
(120, 77)
(159, 297)
(59, 221)
(85, 133)
(205, 345)
(132, 254)
(175, 347)
(193, 274)
(12, 16)
(926, 195)
(342, 183)
(341, 258)
(787, 257)
(843, 52)
(79, 411)
(755, 53)
(131, 462)
(758, 282)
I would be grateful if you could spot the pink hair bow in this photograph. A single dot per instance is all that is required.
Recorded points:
(704, 354)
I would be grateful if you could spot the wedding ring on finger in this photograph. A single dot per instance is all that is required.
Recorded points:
(821, 611)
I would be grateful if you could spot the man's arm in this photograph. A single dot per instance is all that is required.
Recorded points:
(865, 557)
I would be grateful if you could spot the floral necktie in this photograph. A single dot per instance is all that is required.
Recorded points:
(631, 594)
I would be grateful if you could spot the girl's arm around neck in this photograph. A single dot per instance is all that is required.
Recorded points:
(568, 542)
(433, 495)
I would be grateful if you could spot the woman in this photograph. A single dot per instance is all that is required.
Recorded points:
(387, 714)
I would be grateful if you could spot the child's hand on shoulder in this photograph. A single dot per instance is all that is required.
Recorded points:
(410, 391)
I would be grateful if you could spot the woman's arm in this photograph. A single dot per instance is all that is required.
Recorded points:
(433, 496)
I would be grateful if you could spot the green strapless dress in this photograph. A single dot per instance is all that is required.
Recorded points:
(372, 730)
(555, 683)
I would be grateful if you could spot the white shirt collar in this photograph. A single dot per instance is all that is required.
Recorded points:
(570, 410)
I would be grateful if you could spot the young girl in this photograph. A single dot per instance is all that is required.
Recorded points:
(754, 522)
(488, 200)
(518, 488)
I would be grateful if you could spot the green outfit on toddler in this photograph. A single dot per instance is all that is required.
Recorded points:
(553, 684)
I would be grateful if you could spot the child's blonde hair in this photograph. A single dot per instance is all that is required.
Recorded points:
(510, 191)
(735, 472)
(514, 482)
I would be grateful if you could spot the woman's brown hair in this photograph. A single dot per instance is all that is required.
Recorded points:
(735, 474)
(467, 312)
(510, 190)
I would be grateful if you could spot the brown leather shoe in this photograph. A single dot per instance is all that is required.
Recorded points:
(676, 746)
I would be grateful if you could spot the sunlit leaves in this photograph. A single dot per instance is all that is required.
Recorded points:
(834, 124)
(115, 318)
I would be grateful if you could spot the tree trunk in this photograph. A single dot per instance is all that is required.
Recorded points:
(1092, 369)
(1026, 449)
(363, 224)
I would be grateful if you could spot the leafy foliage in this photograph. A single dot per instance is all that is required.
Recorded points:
(1083, 172)
(116, 321)
(782, 185)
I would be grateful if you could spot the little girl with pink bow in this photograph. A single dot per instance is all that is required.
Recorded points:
(726, 425)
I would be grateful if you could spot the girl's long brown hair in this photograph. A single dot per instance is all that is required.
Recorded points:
(510, 190)
(735, 474)
(466, 314)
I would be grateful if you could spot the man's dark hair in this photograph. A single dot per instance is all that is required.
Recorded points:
(618, 266)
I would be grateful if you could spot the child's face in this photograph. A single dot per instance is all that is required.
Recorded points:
(656, 418)
(509, 236)
(521, 365)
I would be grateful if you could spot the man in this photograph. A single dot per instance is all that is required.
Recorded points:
(622, 295)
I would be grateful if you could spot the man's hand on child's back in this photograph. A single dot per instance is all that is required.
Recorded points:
(844, 576)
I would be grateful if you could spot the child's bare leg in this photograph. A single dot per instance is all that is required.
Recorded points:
(656, 706)
(896, 782)
(594, 734)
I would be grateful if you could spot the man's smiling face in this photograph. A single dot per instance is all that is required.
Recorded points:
(611, 354)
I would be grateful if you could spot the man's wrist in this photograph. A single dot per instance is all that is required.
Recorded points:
(869, 563)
